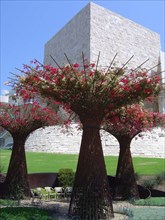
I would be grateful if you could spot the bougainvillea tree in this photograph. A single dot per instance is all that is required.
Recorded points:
(20, 121)
(88, 91)
(125, 124)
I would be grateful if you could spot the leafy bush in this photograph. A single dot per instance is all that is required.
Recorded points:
(160, 178)
(150, 183)
(18, 213)
(66, 177)
(154, 181)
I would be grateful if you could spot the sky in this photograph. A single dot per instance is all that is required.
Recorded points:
(27, 25)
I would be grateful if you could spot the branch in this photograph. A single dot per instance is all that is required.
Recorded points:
(55, 62)
(125, 64)
(111, 63)
(97, 60)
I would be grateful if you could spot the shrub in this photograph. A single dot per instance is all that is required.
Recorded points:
(154, 181)
(160, 178)
(150, 183)
(66, 177)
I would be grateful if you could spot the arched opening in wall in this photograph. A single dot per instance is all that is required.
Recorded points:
(149, 144)
(6, 144)
(55, 139)
(56, 148)
(111, 151)
(60, 145)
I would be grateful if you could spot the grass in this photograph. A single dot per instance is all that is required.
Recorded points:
(51, 162)
(24, 213)
(8, 202)
(153, 209)
(153, 201)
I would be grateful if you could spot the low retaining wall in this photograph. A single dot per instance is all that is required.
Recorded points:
(42, 180)
(50, 179)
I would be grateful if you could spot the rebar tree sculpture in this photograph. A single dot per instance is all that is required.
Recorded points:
(20, 121)
(125, 124)
(89, 91)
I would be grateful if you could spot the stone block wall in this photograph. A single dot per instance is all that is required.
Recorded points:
(96, 29)
(112, 33)
(72, 39)
(54, 139)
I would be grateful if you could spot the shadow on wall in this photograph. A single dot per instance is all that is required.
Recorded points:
(42, 180)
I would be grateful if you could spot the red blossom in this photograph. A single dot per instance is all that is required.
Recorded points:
(131, 120)
(83, 90)
(14, 118)
(76, 65)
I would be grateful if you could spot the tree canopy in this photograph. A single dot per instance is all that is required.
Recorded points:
(89, 91)
(131, 120)
(24, 119)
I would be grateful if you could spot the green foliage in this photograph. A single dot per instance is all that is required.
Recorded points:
(160, 178)
(143, 213)
(66, 177)
(7, 202)
(153, 201)
(154, 181)
(19, 213)
(149, 183)
(148, 213)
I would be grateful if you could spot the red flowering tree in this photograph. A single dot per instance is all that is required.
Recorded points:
(125, 124)
(89, 92)
(20, 121)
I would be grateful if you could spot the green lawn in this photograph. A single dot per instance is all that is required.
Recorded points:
(25, 213)
(51, 162)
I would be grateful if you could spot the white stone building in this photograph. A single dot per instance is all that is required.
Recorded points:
(95, 29)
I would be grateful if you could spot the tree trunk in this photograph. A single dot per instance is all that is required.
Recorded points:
(127, 187)
(16, 183)
(91, 198)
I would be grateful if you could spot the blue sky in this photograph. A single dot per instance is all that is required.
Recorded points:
(27, 25)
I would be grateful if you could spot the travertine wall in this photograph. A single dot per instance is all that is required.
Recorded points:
(57, 140)
(51, 139)
(72, 39)
(96, 29)
(112, 33)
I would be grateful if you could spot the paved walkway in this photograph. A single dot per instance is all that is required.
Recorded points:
(61, 208)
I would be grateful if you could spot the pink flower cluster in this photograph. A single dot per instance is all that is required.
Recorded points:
(87, 91)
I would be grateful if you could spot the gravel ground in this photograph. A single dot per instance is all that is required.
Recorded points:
(61, 208)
